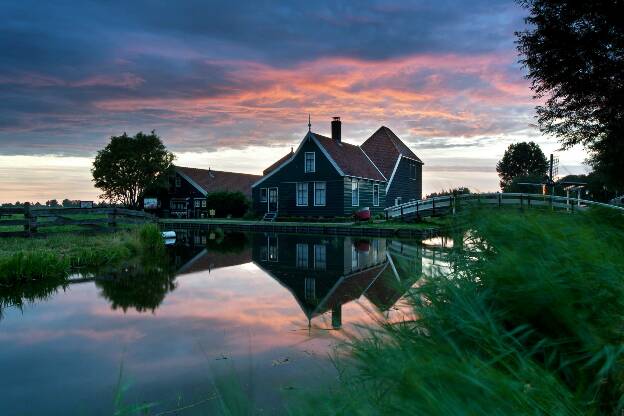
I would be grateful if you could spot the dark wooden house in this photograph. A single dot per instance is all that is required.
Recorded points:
(399, 165)
(188, 187)
(322, 273)
(327, 177)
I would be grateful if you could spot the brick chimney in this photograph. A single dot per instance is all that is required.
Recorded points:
(336, 127)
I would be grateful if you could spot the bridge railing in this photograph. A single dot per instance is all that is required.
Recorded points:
(448, 203)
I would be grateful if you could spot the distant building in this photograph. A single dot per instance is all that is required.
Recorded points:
(326, 177)
(185, 196)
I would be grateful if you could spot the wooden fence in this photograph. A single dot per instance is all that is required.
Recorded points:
(442, 205)
(35, 220)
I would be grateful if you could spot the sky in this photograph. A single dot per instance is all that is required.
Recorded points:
(229, 84)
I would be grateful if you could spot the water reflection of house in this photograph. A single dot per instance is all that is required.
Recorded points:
(200, 250)
(324, 273)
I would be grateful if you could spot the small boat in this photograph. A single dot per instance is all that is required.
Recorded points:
(363, 214)
(168, 234)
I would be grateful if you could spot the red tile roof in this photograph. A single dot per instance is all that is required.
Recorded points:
(384, 148)
(215, 180)
(350, 158)
(278, 163)
(211, 260)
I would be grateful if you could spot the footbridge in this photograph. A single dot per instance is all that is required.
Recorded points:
(442, 205)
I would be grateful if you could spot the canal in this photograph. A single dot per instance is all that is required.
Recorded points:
(251, 317)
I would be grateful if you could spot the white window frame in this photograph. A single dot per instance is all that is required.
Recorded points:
(375, 192)
(302, 256)
(305, 162)
(316, 204)
(197, 203)
(320, 257)
(265, 197)
(309, 288)
(203, 203)
(357, 189)
(302, 204)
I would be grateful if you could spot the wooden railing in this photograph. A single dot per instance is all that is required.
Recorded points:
(33, 220)
(444, 204)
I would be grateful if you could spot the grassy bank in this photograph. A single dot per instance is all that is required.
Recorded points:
(529, 322)
(24, 260)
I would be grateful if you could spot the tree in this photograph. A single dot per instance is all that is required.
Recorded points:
(53, 203)
(129, 165)
(227, 203)
(521, 159)
(574, 53)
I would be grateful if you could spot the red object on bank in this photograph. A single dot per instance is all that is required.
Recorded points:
(363, 214)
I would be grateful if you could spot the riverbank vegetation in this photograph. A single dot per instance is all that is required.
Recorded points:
(528, 321)
(24, 260)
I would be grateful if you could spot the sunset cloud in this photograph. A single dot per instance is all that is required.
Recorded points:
(218, 76)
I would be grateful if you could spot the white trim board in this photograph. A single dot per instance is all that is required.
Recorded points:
(308, 136)
(396, 166)
(191, 181)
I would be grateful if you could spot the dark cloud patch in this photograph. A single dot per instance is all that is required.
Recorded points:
(72, 73)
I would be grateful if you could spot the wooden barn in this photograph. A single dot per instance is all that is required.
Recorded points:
(327, 177)
(188, 187)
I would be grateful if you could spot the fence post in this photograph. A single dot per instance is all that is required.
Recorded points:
(401, 212)
(112, 218)
(27, 219)
(453, 203)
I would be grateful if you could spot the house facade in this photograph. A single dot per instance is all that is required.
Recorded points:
(397, 163)
(185, 196)
(326, 177)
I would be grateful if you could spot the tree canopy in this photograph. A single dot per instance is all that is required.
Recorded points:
(574, 53)
(521, 159)
(128, 166)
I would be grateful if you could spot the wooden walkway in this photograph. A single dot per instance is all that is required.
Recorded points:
(443, 205)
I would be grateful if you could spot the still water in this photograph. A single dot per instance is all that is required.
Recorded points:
(257, 313)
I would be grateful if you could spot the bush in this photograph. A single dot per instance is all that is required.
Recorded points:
(227, 203)
(452, 191)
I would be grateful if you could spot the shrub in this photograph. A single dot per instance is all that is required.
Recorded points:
(227, 203)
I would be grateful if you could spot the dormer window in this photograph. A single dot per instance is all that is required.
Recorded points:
(310, 162)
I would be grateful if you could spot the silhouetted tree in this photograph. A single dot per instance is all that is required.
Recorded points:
(53, 203)
(574, 52)
(521, 159)
(129, 165)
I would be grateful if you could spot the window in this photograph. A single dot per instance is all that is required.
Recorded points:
(302, 256)
(177, 205)
(355, 193)
(355, 258)
(203, 203)
(178, 182)
(310, 288)
(319, 194)
(310, 163)
(302, 194)
(263, 194)
(320, 257)
(197, 203)
(272, 245)
(376, 194)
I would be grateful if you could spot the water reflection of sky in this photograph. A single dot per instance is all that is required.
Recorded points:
(63, 355)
